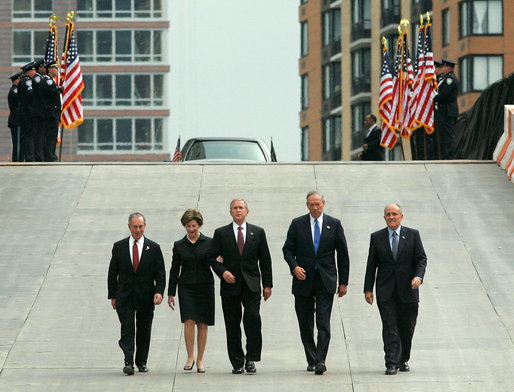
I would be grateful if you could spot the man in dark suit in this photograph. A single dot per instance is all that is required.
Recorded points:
(371, 149)
(246, 261)
(310, 247)
(136, 282)
(397, 261)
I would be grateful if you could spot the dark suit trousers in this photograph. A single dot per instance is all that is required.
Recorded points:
(319, 301)
(232, 313)
(398, 323)
(138, 324)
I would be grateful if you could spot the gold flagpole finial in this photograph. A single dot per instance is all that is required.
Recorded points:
(428, 17)
(421, 19)
(384, 42)
(53, 20)
(69, 16)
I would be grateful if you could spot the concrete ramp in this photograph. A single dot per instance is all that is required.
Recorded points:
(59, 333)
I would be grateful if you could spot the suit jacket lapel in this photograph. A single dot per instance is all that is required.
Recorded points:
(307, 222)
(387, 244)
(401, 241)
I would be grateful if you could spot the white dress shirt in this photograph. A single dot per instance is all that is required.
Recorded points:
(235, 227)
(140, 243)
(320, 224)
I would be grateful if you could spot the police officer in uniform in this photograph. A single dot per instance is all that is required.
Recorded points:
(447, 109)
(26, 99)
(38, 111)
(14, 116)
(51, 103)
(433, 142)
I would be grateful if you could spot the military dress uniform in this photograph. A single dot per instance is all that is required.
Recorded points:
(38, 112)
(26, 103)
(447, 113)
(51, 103)
(13, 122)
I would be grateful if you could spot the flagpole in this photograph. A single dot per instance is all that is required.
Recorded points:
(69, 19)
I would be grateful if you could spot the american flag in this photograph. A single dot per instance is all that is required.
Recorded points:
(51, 45)
(177, 154)
(72, 82)
(401, 117)
(425, 83)
(389, 137)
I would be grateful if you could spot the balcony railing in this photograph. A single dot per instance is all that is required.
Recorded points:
(391, 15)
(361, 29)
(361, 84)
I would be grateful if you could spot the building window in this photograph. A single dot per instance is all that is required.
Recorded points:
(331, 79)
(479, 72)
(331, 26)
(123, 90)
(120, 45)
(332, 138)
(303, 1)
(305, 144)
(359, 112)
(390, 12)
(28, 45)
(361, 19)
(122, 135)
(305, 39)
(305, 92)
(446, 26)
(361, 71)
(32, 9)
(89, 9)
(481, 17)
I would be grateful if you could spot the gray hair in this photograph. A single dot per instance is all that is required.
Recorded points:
(136, 215)
(394, 204)
(311, 193)
(243, 200)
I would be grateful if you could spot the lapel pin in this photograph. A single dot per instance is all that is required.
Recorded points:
(403, 237)
(251, 233)
(147, 247)
(328, 227)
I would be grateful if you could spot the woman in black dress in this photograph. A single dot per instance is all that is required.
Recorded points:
(190, 269)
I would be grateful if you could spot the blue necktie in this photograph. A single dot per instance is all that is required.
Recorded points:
(317, 235)
(394, 245)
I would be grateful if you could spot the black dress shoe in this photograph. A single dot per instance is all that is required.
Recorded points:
(238, 370)
(142, 368)
(250, 367)
(189, 367)
(311, 368)
(128, 369)
(404, 367)
(320, 368)
(391, 370)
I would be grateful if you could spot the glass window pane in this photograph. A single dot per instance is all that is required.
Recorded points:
(104, 45)
(123, 90)
(142, 89)
(104, 134)
(158, 87)
(124, 134)
(104, 89)
(158, 139)
(123, 9)
(495, 17)
(40, 38)
(479, 70)
(22, 5)
(86, 134)
(479, 17)
(104, 8)
(21, 43)
(87, 93)
(142, 8)
(326, 28)
(142, 47)
(42, 5)
(85, 43)
(143, 134)
(157, 46)
(495, 70)
(336, 24)
(123, 45)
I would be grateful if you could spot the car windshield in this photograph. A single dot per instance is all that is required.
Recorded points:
(222, 149)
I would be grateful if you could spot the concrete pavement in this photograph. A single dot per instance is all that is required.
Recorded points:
(59, 333)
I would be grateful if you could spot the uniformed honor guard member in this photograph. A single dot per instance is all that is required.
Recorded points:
(26, 98)
(447, 109)
(13, 122)
(51, 103)
(433, 142)
(39, 110)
